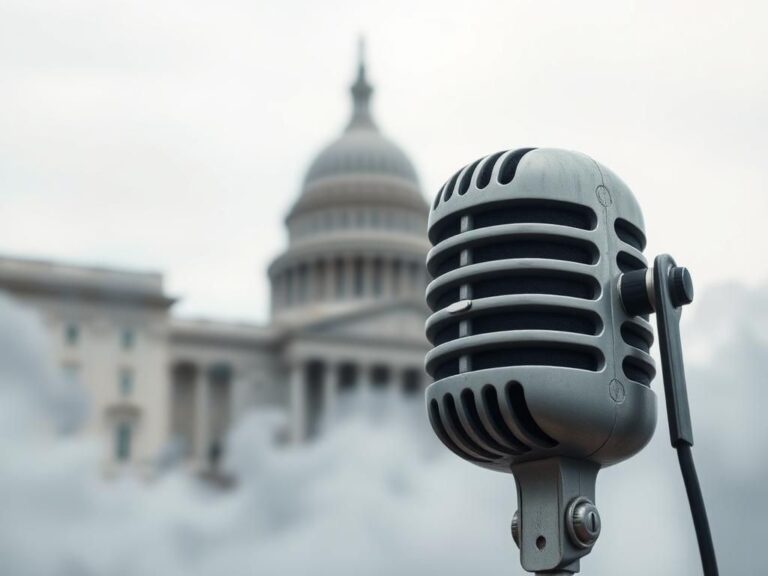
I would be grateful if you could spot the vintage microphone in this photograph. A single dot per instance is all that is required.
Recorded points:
(541, 360)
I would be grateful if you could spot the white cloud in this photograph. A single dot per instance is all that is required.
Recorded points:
(374, 496)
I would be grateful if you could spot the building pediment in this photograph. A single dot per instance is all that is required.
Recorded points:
(396, 322)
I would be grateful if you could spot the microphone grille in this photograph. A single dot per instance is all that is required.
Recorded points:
(515, 261)
(526, 244)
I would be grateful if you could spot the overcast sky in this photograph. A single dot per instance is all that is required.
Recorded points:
(173, 135)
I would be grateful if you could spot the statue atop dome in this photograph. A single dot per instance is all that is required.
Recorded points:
(362, 150)
(361, 95)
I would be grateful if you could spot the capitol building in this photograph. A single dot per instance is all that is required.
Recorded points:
(347, 314)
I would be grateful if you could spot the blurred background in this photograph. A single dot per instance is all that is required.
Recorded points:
(212, 244)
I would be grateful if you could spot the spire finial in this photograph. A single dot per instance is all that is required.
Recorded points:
(361, 56)
(361, 93)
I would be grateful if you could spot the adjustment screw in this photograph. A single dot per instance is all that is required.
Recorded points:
(583, 521)
(680, 286)
(516, 528)
(634, 292)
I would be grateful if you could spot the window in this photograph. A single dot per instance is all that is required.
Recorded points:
(123, 439)
(125, 382)
(71, 334)
(127, 339)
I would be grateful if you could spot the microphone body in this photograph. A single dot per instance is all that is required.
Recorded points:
(538, 369)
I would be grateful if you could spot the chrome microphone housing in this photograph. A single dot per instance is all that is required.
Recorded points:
(538, 369)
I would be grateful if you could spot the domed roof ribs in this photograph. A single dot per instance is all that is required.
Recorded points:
(361, 96)
(362, 152)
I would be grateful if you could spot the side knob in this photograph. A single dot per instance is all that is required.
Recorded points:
(680, 286)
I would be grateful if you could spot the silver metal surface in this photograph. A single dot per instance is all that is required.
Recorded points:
(460, 306)
(544, 375)
(583, 522)
(515, 528)
(650, 288)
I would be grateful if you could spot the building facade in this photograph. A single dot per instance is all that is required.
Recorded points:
(347, 315)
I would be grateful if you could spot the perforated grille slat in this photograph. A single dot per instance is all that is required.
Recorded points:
(498, 242)
(519, 212)
(491, 428)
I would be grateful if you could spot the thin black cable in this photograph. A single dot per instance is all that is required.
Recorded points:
(698, 510)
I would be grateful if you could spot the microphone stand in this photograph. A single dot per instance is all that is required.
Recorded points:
(673, 289)
(665, 289)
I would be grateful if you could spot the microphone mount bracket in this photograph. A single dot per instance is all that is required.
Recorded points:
(665, 289)
(557, 522)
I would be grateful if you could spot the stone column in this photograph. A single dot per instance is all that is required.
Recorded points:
(311, 278)
(390, 386)
(379, 269)
(414, 278)
(331, 380)
(274, 293)
(364, 379)
(289, 281)
(396, 267)
(349, 263)
(407, 283)
(316, 283)
(298, 403)
(368, 277)
(183, 407)
(330, 279)
(398, 378)
(280, 291)
(202, 421)
(389, 278)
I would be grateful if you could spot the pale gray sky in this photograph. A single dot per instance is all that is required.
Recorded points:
(173, 135)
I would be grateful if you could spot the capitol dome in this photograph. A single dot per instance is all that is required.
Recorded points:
(361, 150)
(361, 158)
(357, 231)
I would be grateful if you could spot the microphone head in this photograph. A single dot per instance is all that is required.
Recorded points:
(534, 356)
